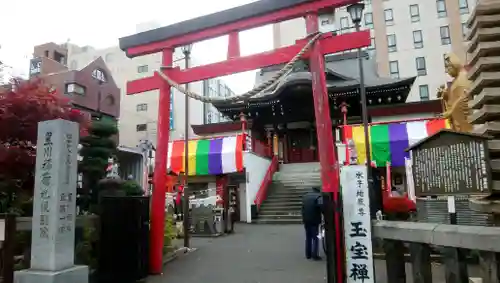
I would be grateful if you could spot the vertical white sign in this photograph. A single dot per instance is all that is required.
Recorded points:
(357, 224)
(54, 202)
(409, 179)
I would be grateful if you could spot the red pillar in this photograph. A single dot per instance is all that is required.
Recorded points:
(160, 175)
(233, 48)
(328, 157)
(243, 120)
(269, 143)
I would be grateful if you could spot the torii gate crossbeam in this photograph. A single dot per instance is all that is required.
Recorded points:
(232, 21)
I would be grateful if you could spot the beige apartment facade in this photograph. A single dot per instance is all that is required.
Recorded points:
(139, 113)
(409, 37)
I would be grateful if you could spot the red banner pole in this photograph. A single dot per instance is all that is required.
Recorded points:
(328, 158)
(160, 174)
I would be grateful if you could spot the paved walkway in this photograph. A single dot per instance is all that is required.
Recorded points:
(255, 254)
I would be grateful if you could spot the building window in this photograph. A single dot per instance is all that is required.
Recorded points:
(209, 117)
(344, 23)
(141, 127)
(424, 92)
(391, 43)
(441, 8)
(414, 13)
(389, 17)
(99, 75)
(325, 22)
(110, 100)
(372, 44)
(75, 89)
(142, 107)
(464, 6)
(465, 30)
(418, 41)
(142, 69)
(369, 20)
(420, 63)
(73, 65)
(445, 35)
(394, 69)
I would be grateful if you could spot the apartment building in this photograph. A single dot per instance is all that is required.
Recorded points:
(91, 88)
(139, 113)
(409, 37)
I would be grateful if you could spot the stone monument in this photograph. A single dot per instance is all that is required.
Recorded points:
(54, 207)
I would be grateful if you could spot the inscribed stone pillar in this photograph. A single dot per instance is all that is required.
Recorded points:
(54, 207)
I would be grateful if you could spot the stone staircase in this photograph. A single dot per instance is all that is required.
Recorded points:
(284, 200)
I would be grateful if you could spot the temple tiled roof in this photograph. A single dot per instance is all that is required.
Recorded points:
(342, 75)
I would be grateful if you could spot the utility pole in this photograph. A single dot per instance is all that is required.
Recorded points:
(186, 50)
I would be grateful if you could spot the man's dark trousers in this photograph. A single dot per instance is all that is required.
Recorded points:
(312, 231)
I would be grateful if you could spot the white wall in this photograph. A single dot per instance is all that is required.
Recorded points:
(242, 195)
(403, 117)
(256, 167)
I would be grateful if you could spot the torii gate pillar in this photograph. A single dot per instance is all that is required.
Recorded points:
(231, 22)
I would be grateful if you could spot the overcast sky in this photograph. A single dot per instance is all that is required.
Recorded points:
(99, 23)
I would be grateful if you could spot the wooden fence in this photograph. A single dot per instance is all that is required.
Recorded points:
(11, 225)
(455, 242)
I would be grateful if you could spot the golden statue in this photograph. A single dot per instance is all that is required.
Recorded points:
(455, 99)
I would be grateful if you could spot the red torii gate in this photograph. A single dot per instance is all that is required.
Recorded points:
(231, 22)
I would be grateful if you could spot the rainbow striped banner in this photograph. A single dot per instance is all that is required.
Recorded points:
(207, 156)
(388, 142)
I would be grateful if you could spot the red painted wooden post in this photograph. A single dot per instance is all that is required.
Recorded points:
(233, 48)
(330, 43)
(243, 120)
(328, 156)
(269, 143)
(160, 175)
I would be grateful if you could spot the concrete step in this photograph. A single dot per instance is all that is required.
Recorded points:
(278, 221)
(296, 212)
(283, 201)
(297, 176)
(280, 207)
(299, 166)
(299, 183)
(281, 191)
(280, 216)
(291, 191)
(285, 197)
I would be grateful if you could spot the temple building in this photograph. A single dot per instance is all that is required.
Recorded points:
(276, 129)
(284, 115)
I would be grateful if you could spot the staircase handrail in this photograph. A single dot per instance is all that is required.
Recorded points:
(261, 148)
(268, 178)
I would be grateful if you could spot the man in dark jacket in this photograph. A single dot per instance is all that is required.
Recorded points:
(312, 203)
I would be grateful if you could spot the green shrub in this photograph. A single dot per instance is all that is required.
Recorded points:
(170, 232)
(132, 188)
(84, 252)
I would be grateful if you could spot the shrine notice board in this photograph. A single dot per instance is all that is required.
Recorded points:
(451, 163)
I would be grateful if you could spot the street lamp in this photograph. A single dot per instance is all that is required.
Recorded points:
(186, 50)
(356, 12)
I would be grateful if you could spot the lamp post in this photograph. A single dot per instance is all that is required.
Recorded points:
(186, 50)
(356, 12)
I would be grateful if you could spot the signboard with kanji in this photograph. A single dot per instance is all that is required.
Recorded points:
(357, 224)
(451, 163)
